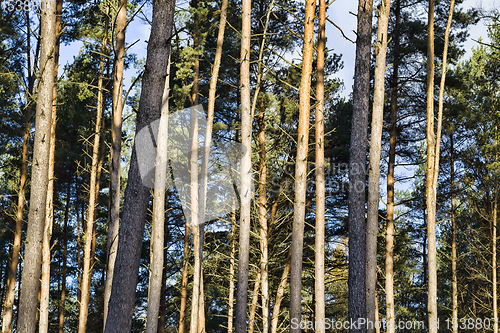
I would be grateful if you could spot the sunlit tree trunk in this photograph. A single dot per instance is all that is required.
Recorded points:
(357, 164)
(246, 170)
(49, 215)
(389, 238)
(158, 224)
(30, 283)
(374, 173)
(12, 268)
(121, 302)
(299, 208)
(319, 253)
(232, 260)
(93, 200)
(279, 296)
(116, 137)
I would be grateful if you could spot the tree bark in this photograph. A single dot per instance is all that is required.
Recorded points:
(357, 167)
(30, 283)
(299, 207)
(454, 282)
(255, 299)
(231, 271)
(121, 302)
(65, 261)
(389, 238)
(279, 295)
(319, 253)
(246, 170)
(12, 268)
(158, 224)
(374, 173)
(93, 200)
(116, 141)
(49, 215)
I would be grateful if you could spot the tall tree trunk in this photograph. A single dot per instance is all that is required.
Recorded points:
(454, 282)
(12, 268)
(93, 200)
(122, 297)
(357, 167)
(299, 207)
(433, 147)
(232, 260)
(162, 320)
(374, 173)
(116, 142)
(184, 283)
(389, 238)
(255, 299)
(263, 221)
(246, 170)
(65, 261)
(194, 202)
(279, 295)
(494, 262)
(28, 302)
(319, 252)
(158, 224)
(49, 215)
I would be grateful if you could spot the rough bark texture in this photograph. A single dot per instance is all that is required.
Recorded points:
(30, 283)
(389, 247)
(116, 135)
(49, 216)
(299, 207)
(357, 167)
(10, 292)
(246, 170)
(375, 149)
(319, 253)
(158, 224)
(121, 303)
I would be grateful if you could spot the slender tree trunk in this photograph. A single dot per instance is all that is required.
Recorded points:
(246, 170)
(454, 282)
(231, 272)
(263, 221)
(357, 167)
(279, 295)
(12, 268)
(194, 202)
(158, 225)
(30, 286)
(389, 238)
(49, 215)
(255, 299)
(65, 261)
(319, 253)
(299, 209)
(494, 263)
(162, 320)
(116, 142)
(93, 199)
(433, 146)
(185, 269)
(128, 254)
(374, 173)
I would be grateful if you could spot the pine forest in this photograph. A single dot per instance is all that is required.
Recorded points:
(260, 166)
